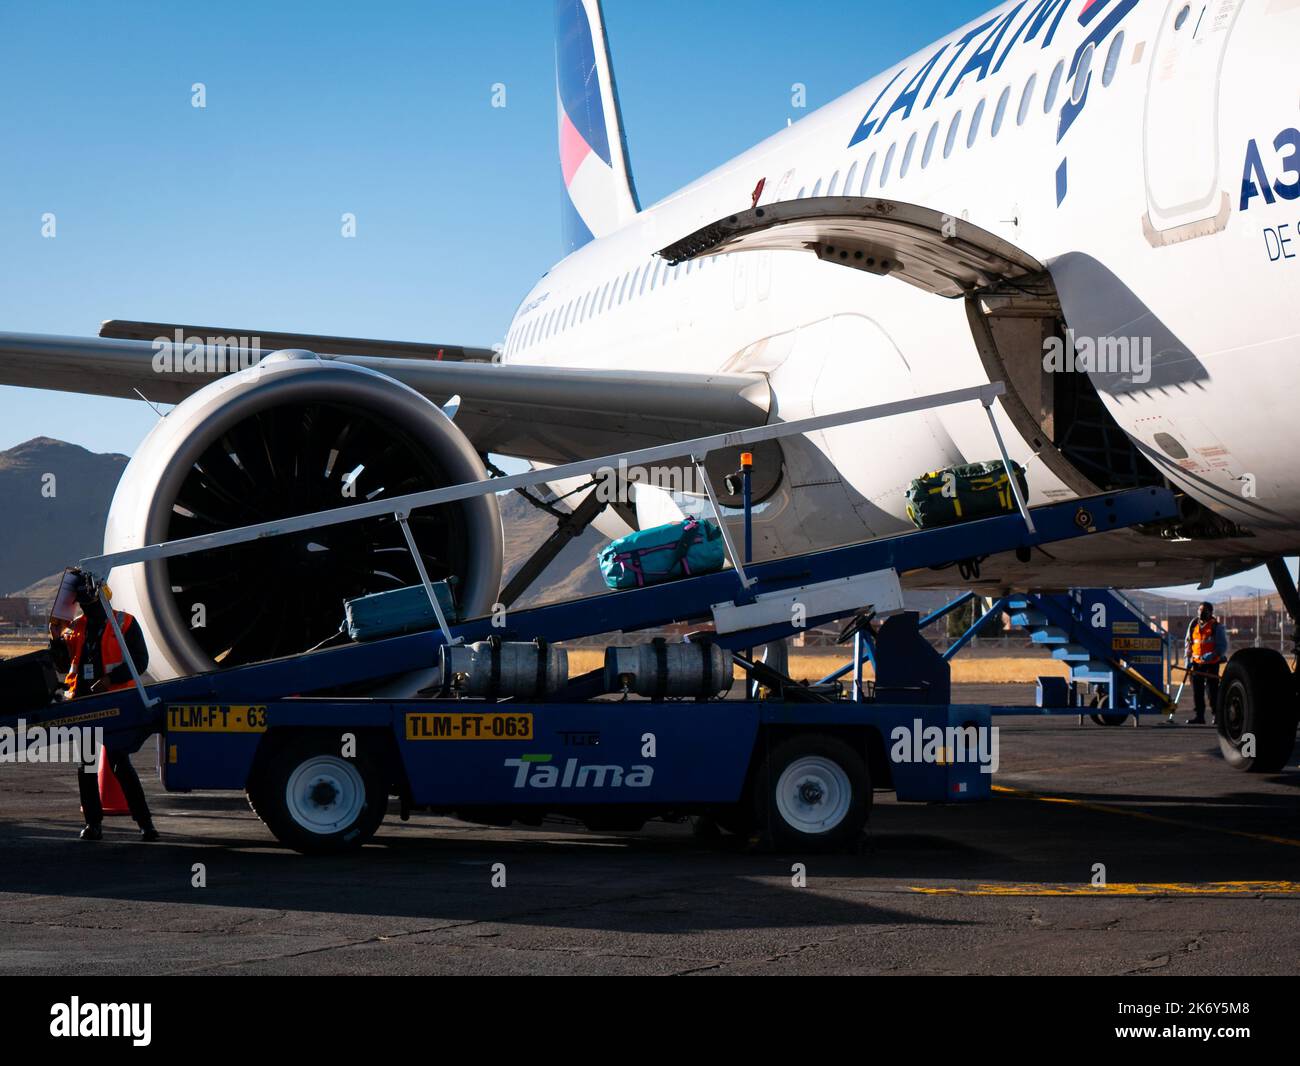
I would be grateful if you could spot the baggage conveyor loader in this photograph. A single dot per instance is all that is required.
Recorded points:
(319, 767)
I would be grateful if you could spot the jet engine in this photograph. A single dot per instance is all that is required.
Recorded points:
(293, 435)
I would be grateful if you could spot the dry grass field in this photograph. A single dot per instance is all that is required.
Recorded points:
(812, 665)
(815, 664)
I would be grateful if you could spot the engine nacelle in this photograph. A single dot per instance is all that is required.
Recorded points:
(293, 435)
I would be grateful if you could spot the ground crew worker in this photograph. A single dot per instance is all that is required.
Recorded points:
(1206, 647)
(95, 662)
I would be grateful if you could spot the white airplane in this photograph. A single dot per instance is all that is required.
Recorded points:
(1093, 201)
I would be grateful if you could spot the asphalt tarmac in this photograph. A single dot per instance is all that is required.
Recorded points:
(1201, 866)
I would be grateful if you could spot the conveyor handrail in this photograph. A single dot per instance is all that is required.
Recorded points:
(99, 565)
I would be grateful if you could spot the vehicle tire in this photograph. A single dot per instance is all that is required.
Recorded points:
(1257, 695)
(316, 801)
(1109, 719)
(812, 793)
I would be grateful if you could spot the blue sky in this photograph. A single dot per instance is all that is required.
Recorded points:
(230, 215)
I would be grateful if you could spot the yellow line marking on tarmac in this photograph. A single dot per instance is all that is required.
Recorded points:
(1213, 888)
(1106, 808)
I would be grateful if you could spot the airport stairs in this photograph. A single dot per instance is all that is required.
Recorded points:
(1108, 643)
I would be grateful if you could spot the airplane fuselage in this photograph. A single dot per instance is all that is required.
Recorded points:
(1109, 141)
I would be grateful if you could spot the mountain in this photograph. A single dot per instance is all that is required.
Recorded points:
(56, 502)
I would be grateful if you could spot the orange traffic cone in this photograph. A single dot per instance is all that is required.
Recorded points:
(110, 792)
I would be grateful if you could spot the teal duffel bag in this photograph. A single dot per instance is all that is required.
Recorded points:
(663, 553)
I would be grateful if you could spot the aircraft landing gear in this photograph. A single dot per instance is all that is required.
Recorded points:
(1259, 704)
(1257, 711)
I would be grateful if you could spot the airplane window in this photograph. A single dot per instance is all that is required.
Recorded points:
(1082, 74)
(889, 162)
(622, 289)
(1112, 59)
(1026, 99)
(803, 189)
(929, 146)
(848, 179)
(634, 291)
(907, 156)
(952, 135)
(1001, 112)
(1181, 17)
(1053, 84)
(834, 186)
(866, 175)
(654, 278)
(974, 131)
(817, 188)
(586, 304)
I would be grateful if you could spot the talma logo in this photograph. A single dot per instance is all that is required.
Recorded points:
(532, 771)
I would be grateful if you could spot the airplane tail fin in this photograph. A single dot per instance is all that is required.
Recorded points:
(599, 195)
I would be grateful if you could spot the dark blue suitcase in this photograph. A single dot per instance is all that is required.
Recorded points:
(386, 614)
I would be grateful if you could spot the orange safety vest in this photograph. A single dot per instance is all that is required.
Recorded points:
(1203, 641)
(110, 650)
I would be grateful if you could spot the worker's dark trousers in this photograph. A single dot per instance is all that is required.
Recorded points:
(1205, 677)
(88, 785)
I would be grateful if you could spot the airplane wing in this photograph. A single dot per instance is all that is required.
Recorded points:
(543, 413)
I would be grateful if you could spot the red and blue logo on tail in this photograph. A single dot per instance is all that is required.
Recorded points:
(599, 197)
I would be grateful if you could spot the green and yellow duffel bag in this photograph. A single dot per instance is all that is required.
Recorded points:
(961, 493)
